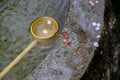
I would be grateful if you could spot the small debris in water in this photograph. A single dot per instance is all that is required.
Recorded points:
(56, 72)
(98, 36)
(94, 24)
(65, 34)
(96, 44)
(97, 28)
(67, 39)
(75, 52)
(98, 25)
(91, 3)
(83, 52)
(97, 1)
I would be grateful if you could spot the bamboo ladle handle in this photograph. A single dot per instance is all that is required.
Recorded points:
(18, 58)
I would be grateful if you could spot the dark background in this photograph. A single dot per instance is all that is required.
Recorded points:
(105, 63)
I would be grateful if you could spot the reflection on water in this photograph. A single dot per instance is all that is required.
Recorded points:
(15, 18)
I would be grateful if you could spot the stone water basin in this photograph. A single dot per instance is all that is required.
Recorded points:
(62, 62)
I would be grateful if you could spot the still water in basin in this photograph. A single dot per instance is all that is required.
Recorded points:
(15, 19)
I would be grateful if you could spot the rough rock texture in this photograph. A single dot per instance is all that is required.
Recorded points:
(69, 61)
(105, 63)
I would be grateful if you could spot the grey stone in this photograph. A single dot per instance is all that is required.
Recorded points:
(71, 64)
